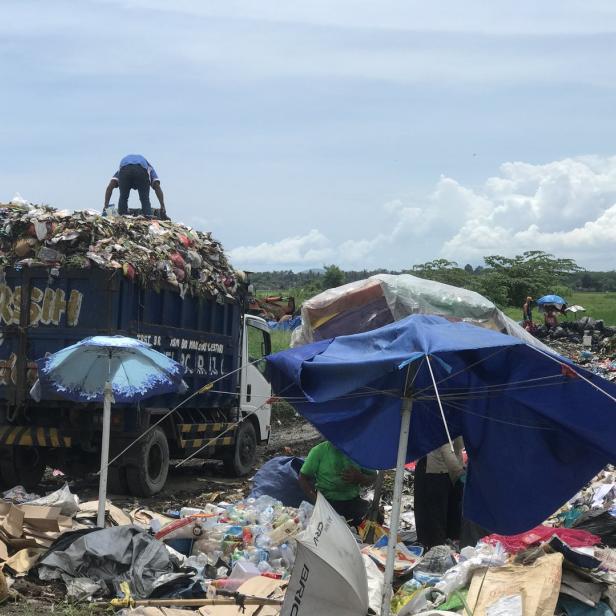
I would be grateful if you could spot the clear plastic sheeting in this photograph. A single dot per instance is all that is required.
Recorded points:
(381, 299)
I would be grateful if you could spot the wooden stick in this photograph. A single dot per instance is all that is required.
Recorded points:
(194, 602)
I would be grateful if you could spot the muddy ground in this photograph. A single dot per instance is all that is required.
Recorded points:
(194, 485)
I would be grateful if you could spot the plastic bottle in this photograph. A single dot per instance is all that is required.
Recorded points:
(282, 533)
(264, 567)
(266, 516)
(263, 541)
(305, 512)
(287, 554)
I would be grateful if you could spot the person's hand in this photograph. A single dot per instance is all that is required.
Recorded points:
(353, 475)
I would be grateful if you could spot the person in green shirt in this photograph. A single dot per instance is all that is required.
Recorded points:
(338, 478)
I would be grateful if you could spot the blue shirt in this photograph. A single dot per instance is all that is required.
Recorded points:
(137, 159)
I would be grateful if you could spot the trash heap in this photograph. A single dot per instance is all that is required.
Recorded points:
(588, 331)
(152, 252)
(589, 343)
(190, 553)
(565, 566)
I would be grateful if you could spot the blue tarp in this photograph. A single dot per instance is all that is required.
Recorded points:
(288, 325)
(535, 433)
(278, 478)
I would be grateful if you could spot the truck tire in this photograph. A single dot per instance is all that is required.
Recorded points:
(147, 473)
(21, 466)
(240, 459)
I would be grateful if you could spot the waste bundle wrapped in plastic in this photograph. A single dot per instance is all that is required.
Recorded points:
(152, 252)
(384, 298)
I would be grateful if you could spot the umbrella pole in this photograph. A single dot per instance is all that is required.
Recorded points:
(405, 425)
(102, 484)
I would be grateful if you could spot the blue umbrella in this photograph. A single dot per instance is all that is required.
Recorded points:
(107, 369)
(535, 426)
(557, 300)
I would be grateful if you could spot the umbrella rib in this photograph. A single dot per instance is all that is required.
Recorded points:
(459, 407)
(450, 376)
(440, 404)
(487, 396)
(523, 381)
(576, 373)
(469, 395)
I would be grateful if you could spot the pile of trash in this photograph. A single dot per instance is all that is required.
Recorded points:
(565, 566)
(152, 252)
(587, 342)
(593, 333)
(141, 554)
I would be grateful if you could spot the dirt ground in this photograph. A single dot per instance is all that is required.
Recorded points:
(194, 485)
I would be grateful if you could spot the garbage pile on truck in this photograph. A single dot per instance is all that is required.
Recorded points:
(148, 251)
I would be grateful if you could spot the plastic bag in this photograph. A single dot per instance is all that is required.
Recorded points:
(68, 503)
(471, 558)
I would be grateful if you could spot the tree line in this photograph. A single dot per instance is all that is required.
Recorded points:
(507, 281)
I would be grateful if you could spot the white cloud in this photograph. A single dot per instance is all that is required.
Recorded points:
(567, 207)
(311, 248)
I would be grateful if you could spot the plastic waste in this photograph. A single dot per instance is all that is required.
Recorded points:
(285, 531)
(68, 503)
(244, 570)
(483, 555)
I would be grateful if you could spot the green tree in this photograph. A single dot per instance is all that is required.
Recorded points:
(445, 271)
(532, 273)
(333, 277)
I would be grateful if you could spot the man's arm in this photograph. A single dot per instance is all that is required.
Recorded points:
(159, 195)
(307, 486)
(113, 183)
(454, 467)
(358, 477)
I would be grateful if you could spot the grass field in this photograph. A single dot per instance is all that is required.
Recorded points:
(280, 340)
(598, 306)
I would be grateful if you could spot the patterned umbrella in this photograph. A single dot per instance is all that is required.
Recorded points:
(107, 369)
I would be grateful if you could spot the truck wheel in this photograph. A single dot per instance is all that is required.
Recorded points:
(117, 481)
(240, 459)
(22, 466)
(147, 473)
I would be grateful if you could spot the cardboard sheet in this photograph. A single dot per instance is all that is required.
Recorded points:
(258, 586)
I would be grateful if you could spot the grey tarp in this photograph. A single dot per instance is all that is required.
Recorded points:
(111, 555)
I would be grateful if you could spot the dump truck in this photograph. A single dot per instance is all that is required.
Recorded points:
(43, 310)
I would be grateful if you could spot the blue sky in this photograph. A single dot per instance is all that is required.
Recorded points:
(301, 133)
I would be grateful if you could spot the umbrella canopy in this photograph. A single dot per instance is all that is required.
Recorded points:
(328, 576)
(107, 369)
(557, 300)
(536, 429)
(134, 369)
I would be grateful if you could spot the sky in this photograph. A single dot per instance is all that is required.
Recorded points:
(360, 133)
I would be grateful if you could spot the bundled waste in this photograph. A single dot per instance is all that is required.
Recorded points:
(152, 252)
